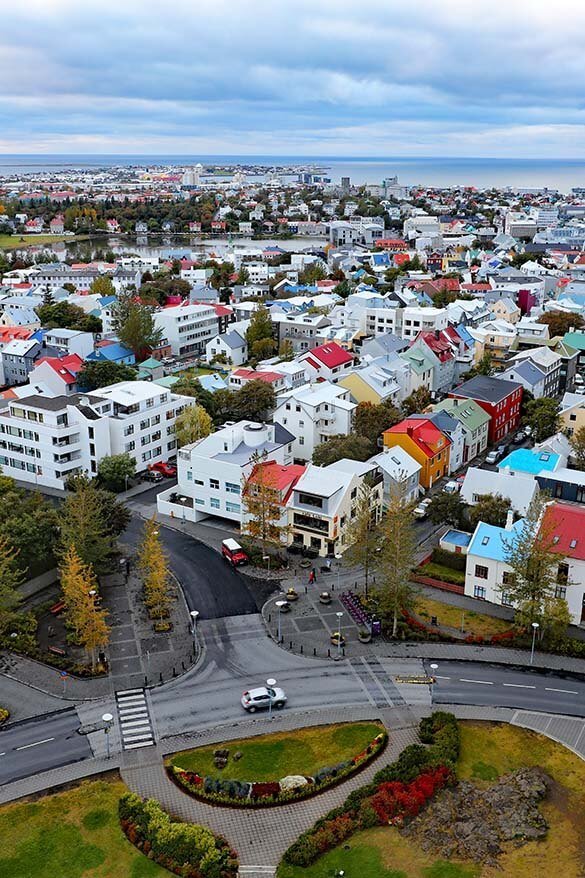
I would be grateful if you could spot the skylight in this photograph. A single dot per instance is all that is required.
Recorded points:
(485, 541)
(573, 544)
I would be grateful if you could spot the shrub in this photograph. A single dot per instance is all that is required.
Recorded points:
(448, 559)
(184, 848)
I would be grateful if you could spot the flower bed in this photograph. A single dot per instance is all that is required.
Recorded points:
(398, 791)
(250, 794)
(183, 848)
(4, 714)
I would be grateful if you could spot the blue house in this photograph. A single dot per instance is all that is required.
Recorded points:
(530, 462)
(112, 353)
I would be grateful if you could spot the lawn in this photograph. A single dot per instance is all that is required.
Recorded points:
(19, 242)
(451, 616)
(439, 571)
(73, 834)
(271, 757)
(487, 751)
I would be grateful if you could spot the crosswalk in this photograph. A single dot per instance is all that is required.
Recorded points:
(377, 683)
(134, 718)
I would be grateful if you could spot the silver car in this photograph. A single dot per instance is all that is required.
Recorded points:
(263, 697)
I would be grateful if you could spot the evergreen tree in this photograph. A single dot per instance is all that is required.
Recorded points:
(260, 328)
(83, 526)
(578, 445)
(134, 325)
(10, 577)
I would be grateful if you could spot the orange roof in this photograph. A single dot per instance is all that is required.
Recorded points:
(423, 433)
(278, 476)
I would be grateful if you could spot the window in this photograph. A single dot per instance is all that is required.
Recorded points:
(508, 578)
(563, 573)
(189, 476)
(214, 484)
(232, 488)
(199, 481)
(232, 507)
(561, 592)
(506, 601)
(301, 440)
(199, 501)
(481, 572)
(214, 503)
(311, 500)
(479, 592)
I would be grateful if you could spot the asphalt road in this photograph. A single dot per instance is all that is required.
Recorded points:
(210, 584)
(481, 684)
(41, 743)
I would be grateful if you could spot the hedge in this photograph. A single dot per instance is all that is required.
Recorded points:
(183, 848)
(398, 791)
(249, 794)
(454, 560)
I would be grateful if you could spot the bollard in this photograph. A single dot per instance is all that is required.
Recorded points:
(269, 618)
(290, 644)
(174, 673)
(314, 650)
(145, 682)
(332, 586)
(301, 648)
(160, 677)
(306, 590)
(343, 651)
(328, 653)
(183, 664)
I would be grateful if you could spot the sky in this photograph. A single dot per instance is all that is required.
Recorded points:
(294, 77)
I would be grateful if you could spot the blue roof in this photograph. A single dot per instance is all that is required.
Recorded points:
(527, 461)
(490, 541)
(212, 382)
(462, 331)
(456, 538)
(112, 352)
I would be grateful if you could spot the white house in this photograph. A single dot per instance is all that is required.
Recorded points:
(314, 413)
(400, 471)
(230, 345)
(327, 362)
(478, 482)
(70, 341)
(187, 327)
(211, 471)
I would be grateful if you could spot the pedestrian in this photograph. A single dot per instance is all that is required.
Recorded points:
(311, 577)
(314, 572)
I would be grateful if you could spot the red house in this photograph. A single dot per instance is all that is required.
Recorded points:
(501, 399)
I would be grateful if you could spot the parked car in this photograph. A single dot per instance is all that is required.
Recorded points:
(152, 476)
(233, 552)
(422, 510)
(496, 454)
(452, 487)
(262, 697)
(519, 438)
(164, 468)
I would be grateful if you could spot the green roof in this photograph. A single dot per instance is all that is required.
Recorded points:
(575, 340)
(151, 363)
(418, 360)
(468, 412)
(168, 381)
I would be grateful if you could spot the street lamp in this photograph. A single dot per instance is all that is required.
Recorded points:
(267, 558)
(280, 605)
(339, 614)
(194, 614)
(107, 719)
(434, 667)
(338, 558)
(270, 682)
(535, 627)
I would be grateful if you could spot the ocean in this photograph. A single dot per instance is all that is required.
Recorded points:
(562, 174)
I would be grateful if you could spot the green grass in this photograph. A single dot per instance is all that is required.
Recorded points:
(270, 757)
(451, 616)
(19, 242)
(73, 834)
(439, 571)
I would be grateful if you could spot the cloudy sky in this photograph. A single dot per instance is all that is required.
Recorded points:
(294, 77)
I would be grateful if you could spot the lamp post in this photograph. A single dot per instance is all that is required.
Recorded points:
(338, 558)
(280, 605)
(194, 614)
(270, 682)
(434, 667)
(267, 558)
(107, 719)
(339, 614)
(126, 482)
(535, 627)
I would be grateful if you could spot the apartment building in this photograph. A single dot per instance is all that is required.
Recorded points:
(418, 319)
(313, 414)
(300, 329)
(187, 327)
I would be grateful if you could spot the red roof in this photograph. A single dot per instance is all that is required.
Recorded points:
(479, 288)
(446, 283)
(439, 346)
(396, 243)
(10, 333)
(423, 433)
(401, 258)
(330, 354)
(253, 375)
(564, 526)
(281, 478)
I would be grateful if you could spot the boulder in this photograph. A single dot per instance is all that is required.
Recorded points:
(292, 782)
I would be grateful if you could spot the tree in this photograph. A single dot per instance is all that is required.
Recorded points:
(362, 533)
(134, 325)
(578, 445)
(29, 522)
(254, 401)
(83, 526)
(67, 316)
(260, 327)
(371, 420)
(286, 350)
(262, 504)
(10, 577)
(395, 559)
(491, 509)
(102, 286)
(154, 569)
(447, 509)
(529, 552)
(418, 400)
(96, 374)
(114, 470)
(559, 323)
(262, 349)
(82, 611)
(243, 276)
(339, 447)
(188, 386)
(312, 273)
(191, 424)
(542, 415)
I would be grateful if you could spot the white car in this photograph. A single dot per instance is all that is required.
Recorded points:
(422, 510)
(263, 697)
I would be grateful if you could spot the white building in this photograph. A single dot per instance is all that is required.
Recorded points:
(401, 473)
(211, 472)
(230, 345)
(187, 327)
(70, 341)
(313, 414)
(418, 319)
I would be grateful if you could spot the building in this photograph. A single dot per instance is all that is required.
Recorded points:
(572, 412)
(474, 421)
(548, 362)
(375, 383)
(279, 480)
(494, 337)
(486, 571)
(18, 359)
(211, 471)
(401, 474)
(500, 399)
(328, 362)
(57, 374)
(324, 500)
(70, 341)
(313, 414)
(418, 319)
(423, 441)
(240, 377)
(107, 351)
(230, 346)
(478, 482)
(299, 328)
(187, 327)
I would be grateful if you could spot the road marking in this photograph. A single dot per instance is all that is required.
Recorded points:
(2, 754)
(137, 722)
(519, 685)
(482, 682)
(130, 691)
(439, 677)
(134, 719)
(567, 691)
(36, 744)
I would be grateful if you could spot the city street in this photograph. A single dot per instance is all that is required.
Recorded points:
(41, 743)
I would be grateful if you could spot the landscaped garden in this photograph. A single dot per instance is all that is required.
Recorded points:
(278, 767)
(468, 621)
(497, 761)
(99, 830)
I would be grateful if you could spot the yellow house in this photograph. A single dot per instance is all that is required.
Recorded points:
(572, 413)
(371, 384)
(423, 440)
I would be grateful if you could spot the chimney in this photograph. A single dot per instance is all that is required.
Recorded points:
(409, 431)
(509, 519)
(436, 333)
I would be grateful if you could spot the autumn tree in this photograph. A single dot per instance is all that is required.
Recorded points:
(340, 447)
(578, 446)
(396, 557)
(542, 415)
(262, 506)
(260, 328)
(286, 350)
(83, 613)
(84, 527)
(134, 325)
(559, 323)
(417, 402)
(154, 569)
(191, 424)
(10, 577)
(362, 533)
(371, 420)
(102, 286)
(186, 385)
(254, 401)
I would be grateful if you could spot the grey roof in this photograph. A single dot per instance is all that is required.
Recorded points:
(49, 403)
(233, 339)
(282, 436)
(526, 370)
(388, 343)
(486, 388)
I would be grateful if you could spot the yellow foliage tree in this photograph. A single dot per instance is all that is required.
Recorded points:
(80, 595)
(191, 424)
(154, 569)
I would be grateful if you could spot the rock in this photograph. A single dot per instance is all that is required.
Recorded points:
(220, 762)
(292, 782)
(237, 755)
(222, 753)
